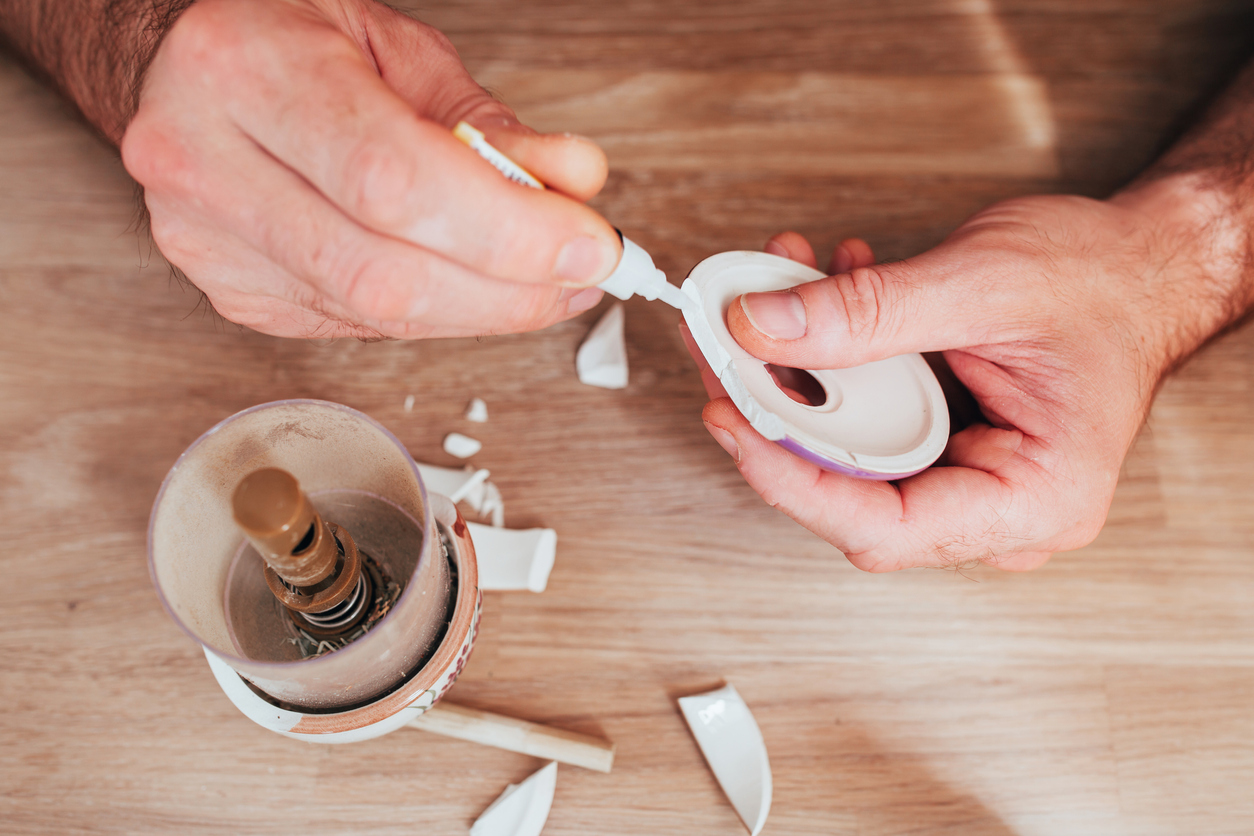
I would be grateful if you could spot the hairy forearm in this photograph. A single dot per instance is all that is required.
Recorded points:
(1199, 199)
(94, 51)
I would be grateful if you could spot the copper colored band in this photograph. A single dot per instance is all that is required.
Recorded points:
(315, 600)
(284, 527)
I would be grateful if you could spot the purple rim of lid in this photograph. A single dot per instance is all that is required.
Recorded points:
(798, 449)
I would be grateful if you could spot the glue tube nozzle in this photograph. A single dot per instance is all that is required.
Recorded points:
(636, 275)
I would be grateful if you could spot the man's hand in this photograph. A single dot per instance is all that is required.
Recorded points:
(298, 164)
(1060, 314)
(299, 168)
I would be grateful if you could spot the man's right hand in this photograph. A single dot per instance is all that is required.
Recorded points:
(1059, 314)
(299, 168)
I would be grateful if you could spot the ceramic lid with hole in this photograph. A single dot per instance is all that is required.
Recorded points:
(883, 420)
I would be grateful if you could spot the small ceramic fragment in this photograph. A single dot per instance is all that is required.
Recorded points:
(732, 744)
(462, 446)
(522, 809)
(471, 485)
(602, 359)
(514, 559)
(493, 504)
(447, 481)
(409, 403)
(465, 483)
(477, 411)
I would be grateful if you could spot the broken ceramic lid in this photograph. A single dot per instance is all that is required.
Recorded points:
(602, 358)
(733, 747)
(522, 809)
(883, 420)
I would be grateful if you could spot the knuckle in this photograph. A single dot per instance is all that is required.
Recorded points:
(205, 37)
(1086, 523)
(172, 237)
(371, 289)
(405, 330)
(533, 307)
(139, 147)
(351, 279)
(436, 44)
(378, 183)
(864, 294)
(160, 162)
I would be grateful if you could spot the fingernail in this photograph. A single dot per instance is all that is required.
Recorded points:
(775, 248)
(581, 262)
(725, 440)
(583, 300)
(781, 315)
(841, 260)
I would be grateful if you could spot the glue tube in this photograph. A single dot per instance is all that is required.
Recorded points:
(635, 274)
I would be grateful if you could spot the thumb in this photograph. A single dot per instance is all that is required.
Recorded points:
(939, 300)
(574, 165)
(422, 66)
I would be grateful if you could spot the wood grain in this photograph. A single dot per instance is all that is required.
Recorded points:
(810, 124)
(1107, 693)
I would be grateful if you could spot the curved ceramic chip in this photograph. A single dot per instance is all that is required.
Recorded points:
(602, 359)
(477, 411)
(514, 559)
(522, 809)
(462, 446)
(733, 747)
(473, 485)
(448, 481)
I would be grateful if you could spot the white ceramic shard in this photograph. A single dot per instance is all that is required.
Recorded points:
(732, 744)
(493, 505)
(514, 559)
(522, 809)
(447, 481)
(462, 446)
(409, 403)
(477, 411)
(471, 485)
(602, 359)
(465, 484)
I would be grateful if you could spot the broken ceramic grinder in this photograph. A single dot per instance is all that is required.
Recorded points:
(352, 603)
(883, 420)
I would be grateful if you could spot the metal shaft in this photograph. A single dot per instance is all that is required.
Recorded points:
(313, 567)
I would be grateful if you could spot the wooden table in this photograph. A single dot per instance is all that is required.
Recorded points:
(1112, 691)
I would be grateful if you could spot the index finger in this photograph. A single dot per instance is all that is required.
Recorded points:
(944, 516)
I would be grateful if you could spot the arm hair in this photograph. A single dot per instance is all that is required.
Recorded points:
(95, 52)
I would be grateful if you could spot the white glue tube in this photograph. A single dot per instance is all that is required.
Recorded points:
(635, 273)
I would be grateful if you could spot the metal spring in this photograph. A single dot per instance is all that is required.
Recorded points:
(344, 613)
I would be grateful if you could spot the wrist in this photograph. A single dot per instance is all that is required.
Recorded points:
(1193, 237)
(95, 51)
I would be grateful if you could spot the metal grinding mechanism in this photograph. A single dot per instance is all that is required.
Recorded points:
(331, 589)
